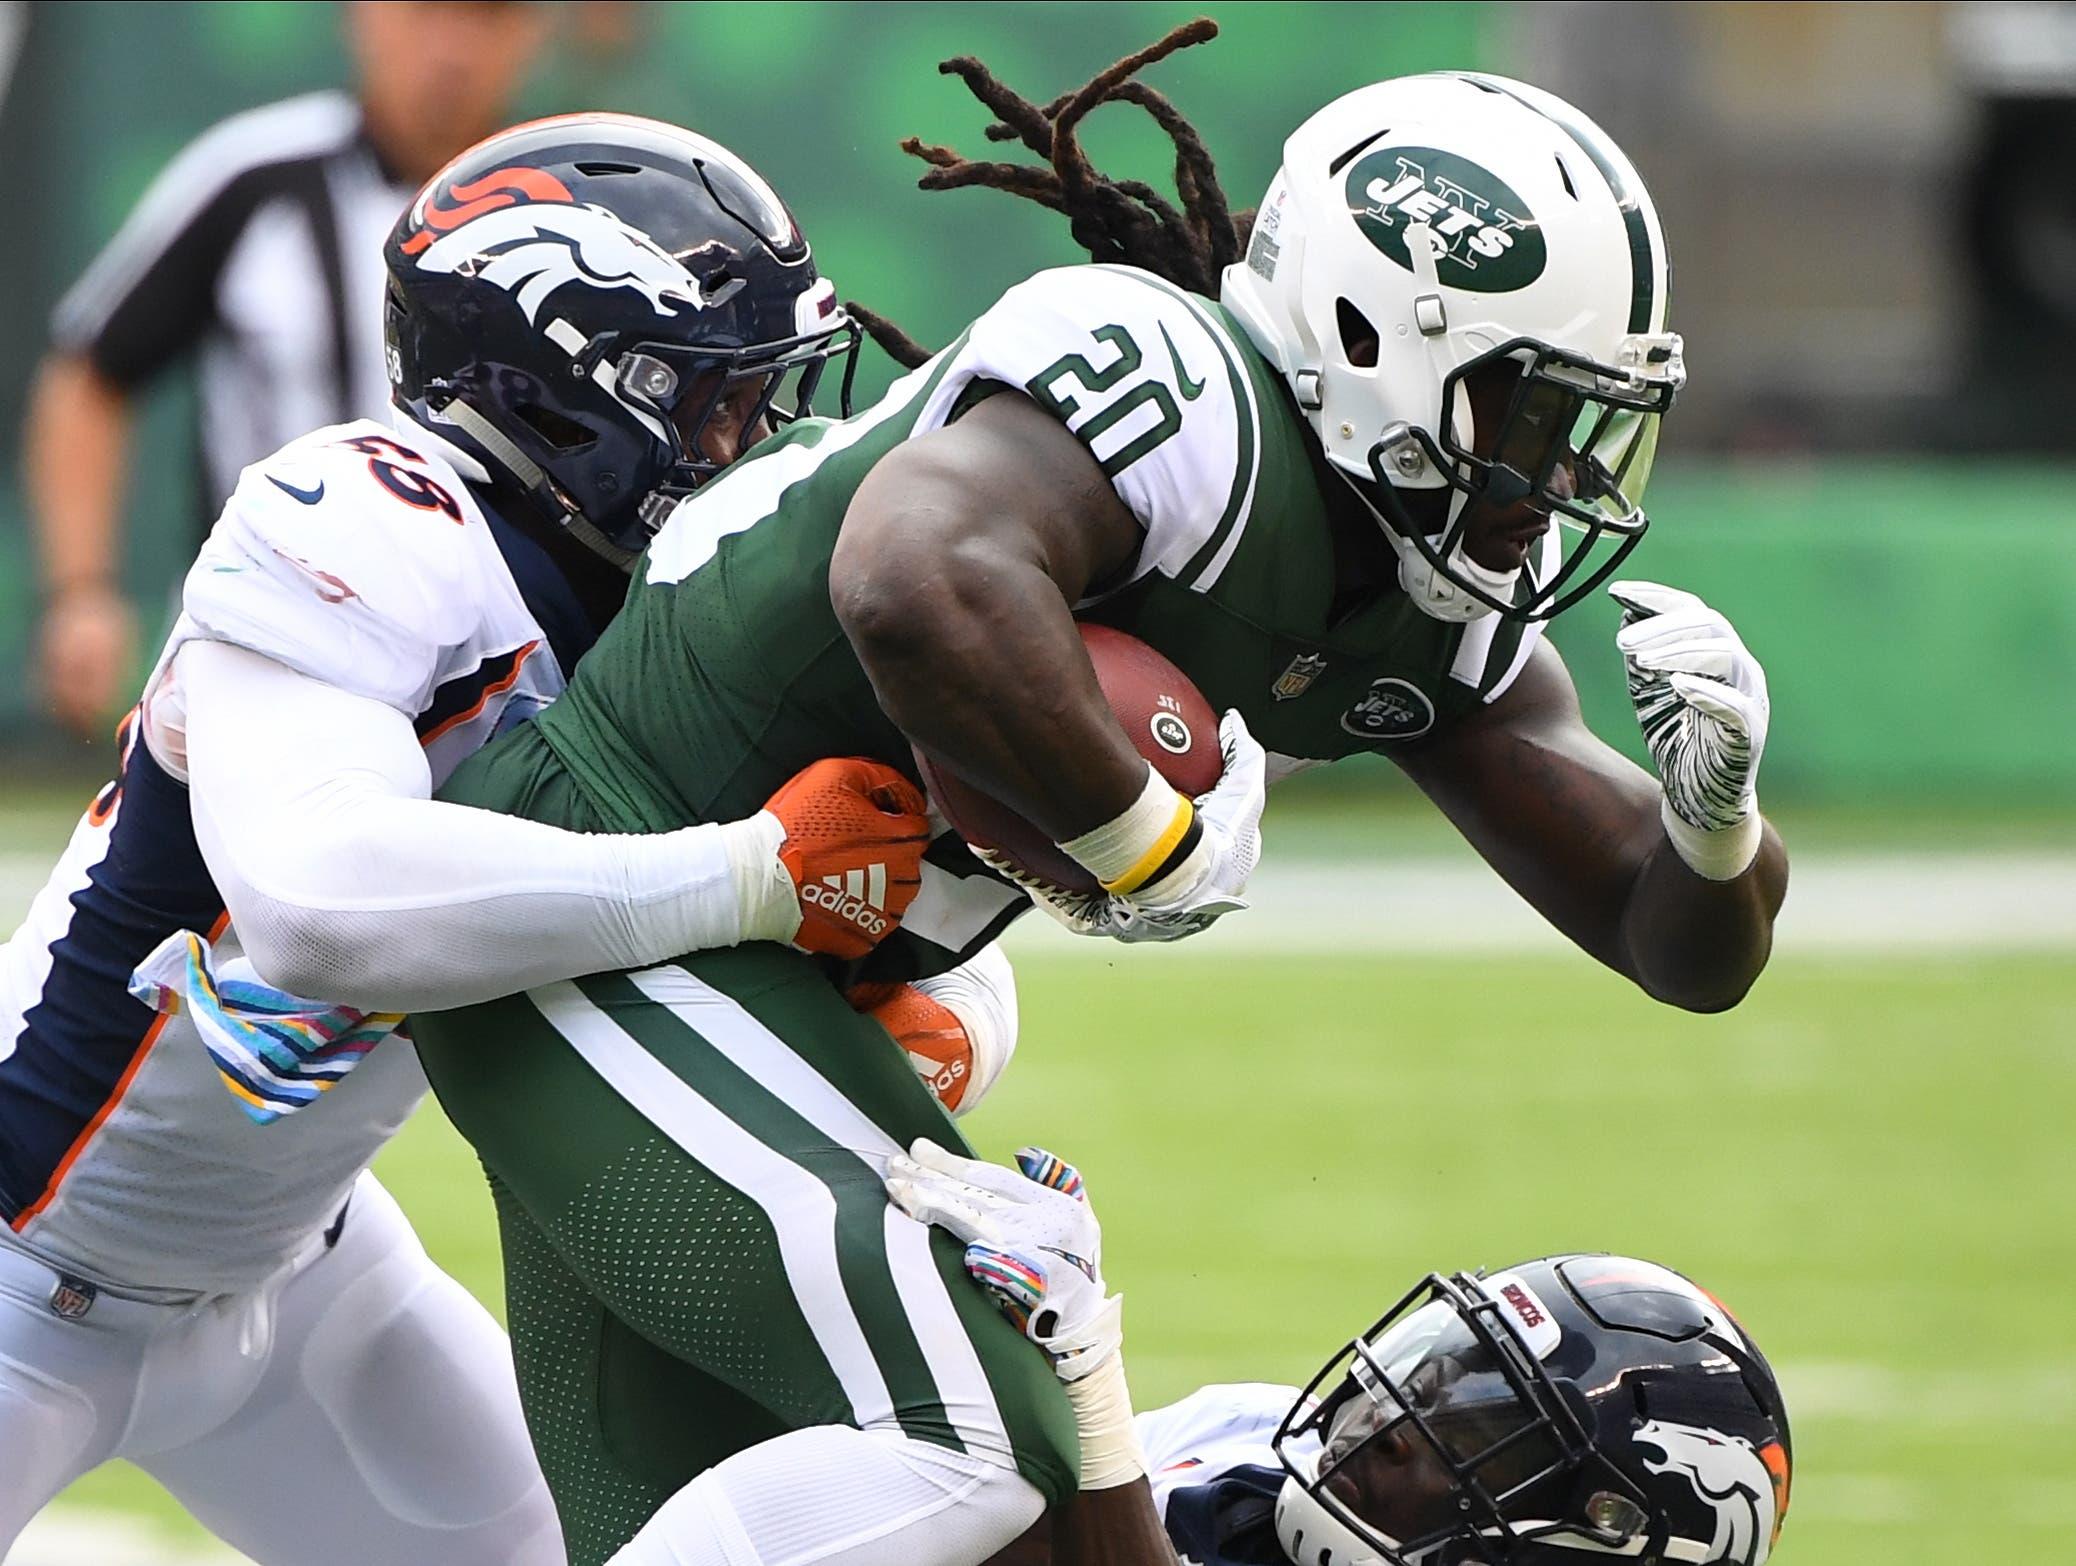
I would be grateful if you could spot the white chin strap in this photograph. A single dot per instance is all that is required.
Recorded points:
(1435, 593)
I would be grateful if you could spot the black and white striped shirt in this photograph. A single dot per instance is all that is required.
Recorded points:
(259, 249)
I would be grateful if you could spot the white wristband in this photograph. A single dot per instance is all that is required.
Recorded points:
(766, 901)
(704, 887)
(1134, 846)
(1714, 856)
(1110, 1450)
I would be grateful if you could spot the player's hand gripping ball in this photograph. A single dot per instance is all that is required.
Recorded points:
(855, 835)
(1162, 713)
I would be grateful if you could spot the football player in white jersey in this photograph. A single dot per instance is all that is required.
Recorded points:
(1558, 1412)
(245, 1313)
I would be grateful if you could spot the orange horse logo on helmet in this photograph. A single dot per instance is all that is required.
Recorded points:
(521, 230)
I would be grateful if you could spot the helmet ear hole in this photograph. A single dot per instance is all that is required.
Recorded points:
(1359, 339)
(561, 432)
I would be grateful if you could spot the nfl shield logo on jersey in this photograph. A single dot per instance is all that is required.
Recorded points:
(1298, 678)
(72, 1298)
(1393, 710)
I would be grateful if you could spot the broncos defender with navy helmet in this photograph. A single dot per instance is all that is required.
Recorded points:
(588, 316)
(1557, 1412)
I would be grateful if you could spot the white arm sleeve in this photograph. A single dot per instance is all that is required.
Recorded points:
(981, 993)
(347, 883)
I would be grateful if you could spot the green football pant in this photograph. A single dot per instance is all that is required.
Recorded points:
(699, 1255)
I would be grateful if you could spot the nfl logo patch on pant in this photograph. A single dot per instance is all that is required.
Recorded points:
(72, 1298)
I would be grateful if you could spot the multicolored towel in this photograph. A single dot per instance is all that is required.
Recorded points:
(275, 1051)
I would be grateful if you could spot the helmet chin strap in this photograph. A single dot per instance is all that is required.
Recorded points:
(1434, 594)
(535, 482)
(1432, 591)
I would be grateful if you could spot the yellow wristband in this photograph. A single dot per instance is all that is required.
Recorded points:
(1136, 845)
(1158, 853)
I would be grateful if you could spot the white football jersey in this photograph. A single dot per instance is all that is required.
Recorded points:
(359, 556)
(1215, 1475)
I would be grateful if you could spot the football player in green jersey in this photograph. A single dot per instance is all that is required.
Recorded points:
(1320, 470)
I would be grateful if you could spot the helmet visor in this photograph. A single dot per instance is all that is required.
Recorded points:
(1435, 1428)
(1552, 432)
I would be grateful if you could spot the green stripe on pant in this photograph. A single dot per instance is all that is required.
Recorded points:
(697, 1148)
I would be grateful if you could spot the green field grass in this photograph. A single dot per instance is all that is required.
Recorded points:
(1869, 1160)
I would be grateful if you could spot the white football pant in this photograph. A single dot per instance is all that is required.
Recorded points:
(359, 1409)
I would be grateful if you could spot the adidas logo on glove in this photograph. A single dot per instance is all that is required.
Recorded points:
(855, 896)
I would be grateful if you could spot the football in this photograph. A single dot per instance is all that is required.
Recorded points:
(1165, 716)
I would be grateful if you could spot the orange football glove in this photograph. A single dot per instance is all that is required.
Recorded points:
(932, 1034)
(855, 835)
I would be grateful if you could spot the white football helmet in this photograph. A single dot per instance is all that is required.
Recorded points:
(1423, 228)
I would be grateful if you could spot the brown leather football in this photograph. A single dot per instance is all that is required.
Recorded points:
(1164, 715)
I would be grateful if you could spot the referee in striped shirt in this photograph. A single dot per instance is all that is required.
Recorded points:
(258, 254)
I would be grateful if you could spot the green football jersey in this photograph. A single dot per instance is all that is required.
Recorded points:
(727, 671)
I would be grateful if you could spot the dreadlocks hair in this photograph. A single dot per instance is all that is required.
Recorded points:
(1119, 220)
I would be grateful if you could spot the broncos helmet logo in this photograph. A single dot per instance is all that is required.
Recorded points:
(1730, 1477)
(519, 230)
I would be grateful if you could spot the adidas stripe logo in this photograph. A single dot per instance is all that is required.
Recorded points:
(854, 896)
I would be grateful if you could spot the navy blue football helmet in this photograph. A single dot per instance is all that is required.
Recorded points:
(1555, 1413)
(602, 309)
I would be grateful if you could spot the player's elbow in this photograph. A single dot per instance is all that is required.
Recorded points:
(1704, 994)
(901, 592)
(291, 948)
(294, 927)
(1708, 1005)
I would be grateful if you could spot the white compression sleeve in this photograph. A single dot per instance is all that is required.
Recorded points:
(347, 883)
(833, 1496)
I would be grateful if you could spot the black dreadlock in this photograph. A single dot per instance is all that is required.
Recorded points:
(1121, 220)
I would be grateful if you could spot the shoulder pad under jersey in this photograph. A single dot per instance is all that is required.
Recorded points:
(1148, 376)
(1212, 1429)
(351, 555)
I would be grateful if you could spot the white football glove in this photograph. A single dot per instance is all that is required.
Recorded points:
(1700, 697)
(1206, 886)
(1032, 1241)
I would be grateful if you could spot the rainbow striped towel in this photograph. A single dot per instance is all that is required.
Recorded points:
(275, 1051)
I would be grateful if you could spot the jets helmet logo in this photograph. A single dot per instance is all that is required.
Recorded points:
(1484, 238)
(519, 230)
(1730, 1478)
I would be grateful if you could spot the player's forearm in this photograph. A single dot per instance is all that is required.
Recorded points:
(959, 556)
(1700, 944)
(347, 884)
(1117, 1527)
(418, 905)
(973, 653)
(75, 445)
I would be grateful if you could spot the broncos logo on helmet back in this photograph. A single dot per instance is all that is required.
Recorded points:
(1729, 1476)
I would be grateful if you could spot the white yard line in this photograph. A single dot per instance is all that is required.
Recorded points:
(1926, 903)
(1838, 903)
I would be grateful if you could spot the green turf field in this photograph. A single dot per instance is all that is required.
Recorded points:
(1869, 1160)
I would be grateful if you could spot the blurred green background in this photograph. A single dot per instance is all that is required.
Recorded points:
(1869, 1157)
(1909, 604)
